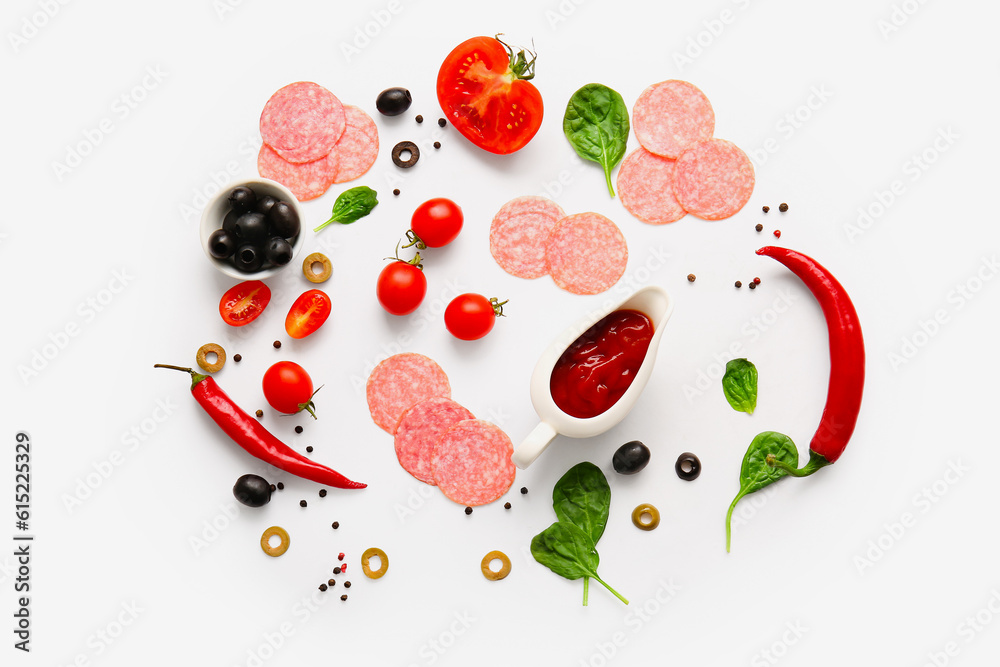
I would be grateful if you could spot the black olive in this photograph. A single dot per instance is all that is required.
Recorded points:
(393, 101)
(284, 220)
(252, 490)
(251, 228)
(265, 203)
(248, 258)
(242, 199)
(278, 251)
(688, 466)
(229, 222)
(221, 244)
(630, 458)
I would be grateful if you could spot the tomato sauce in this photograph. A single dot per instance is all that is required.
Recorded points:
(596, 370)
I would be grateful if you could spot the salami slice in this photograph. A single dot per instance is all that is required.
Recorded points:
(586, 253)
(302, 122)
(306, 180)
(358, 146)
(519, 232)
(670, 116)
(646, 188)
(399, 383)
(713, 179)
(472, 463)
(419, 431)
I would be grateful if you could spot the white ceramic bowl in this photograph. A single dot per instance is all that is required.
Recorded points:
(654, 302)
(218, 207)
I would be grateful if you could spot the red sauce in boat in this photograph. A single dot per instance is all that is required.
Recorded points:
(596, 370)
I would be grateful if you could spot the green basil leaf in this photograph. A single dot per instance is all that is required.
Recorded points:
(569, 552)
(739, 384)
(755, 473)
(566, 550)
(596, 124)
(582, 497)
(352, 205)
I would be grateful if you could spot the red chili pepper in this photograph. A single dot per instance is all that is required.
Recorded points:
(249, 434)
(847, 360)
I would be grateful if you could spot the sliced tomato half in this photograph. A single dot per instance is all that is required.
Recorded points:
(244, 302)
(308, 313)
(484, 89)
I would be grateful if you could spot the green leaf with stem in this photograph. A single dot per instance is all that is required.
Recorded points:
(756, 473)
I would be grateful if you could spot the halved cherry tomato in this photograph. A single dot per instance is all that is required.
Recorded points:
(472, 316)
(484, 89)
(436, 222)
(401, 286)
(288, 388)
(308, 313)
(244, 302)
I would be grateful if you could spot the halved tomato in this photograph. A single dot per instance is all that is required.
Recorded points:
(484, 89)
(308, 313)
(244, 302)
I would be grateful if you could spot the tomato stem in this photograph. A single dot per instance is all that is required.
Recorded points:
(498, 306)
(414, 240)
(520, 66)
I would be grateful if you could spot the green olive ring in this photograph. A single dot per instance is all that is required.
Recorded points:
(646, 510)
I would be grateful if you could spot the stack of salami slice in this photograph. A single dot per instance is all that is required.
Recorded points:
(437, 440)
(312, 141)
(679, 167)
(585, 253)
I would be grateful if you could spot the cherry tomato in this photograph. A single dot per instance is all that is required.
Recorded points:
(308, 313)
(484, 89)
(244, 302)
(401, 287)
(472, 316)
(437, 222)
(288, 388)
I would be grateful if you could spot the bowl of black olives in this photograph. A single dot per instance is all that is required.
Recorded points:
(252, 228)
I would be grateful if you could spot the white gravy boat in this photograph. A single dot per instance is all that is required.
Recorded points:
(652, 301)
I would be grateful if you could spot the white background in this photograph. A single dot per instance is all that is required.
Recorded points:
(848, 100)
